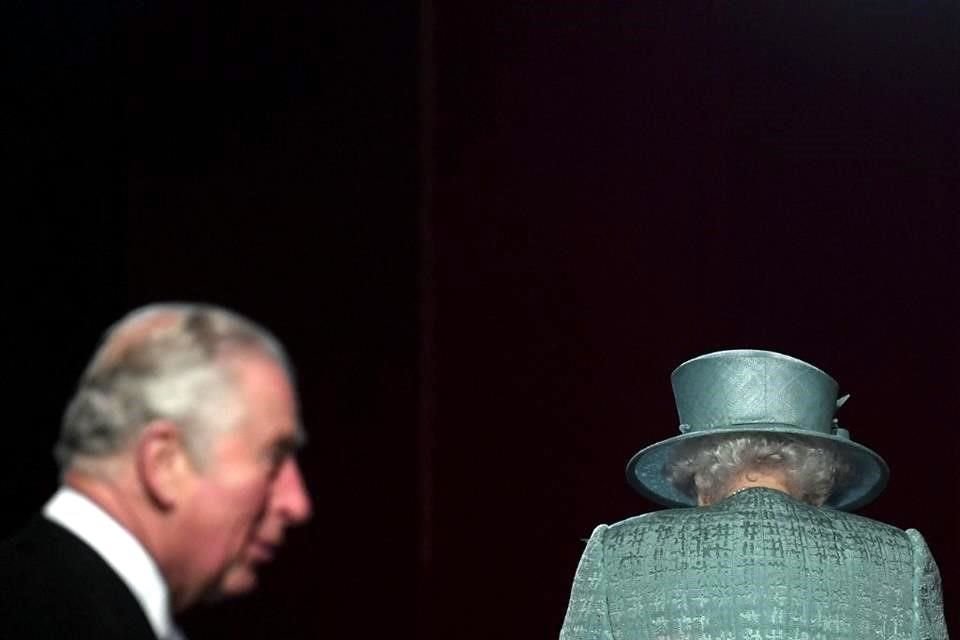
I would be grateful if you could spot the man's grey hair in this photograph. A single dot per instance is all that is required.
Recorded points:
(162, 361)
(705, 467)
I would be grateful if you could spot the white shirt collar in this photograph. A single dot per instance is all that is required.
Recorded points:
(119, 549)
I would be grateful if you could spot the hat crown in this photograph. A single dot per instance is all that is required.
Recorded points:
(737, 388)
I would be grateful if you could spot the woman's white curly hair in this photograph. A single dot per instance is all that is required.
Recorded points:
(706, 467)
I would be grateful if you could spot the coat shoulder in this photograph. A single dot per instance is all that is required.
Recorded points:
(652, 519)
(57, 586)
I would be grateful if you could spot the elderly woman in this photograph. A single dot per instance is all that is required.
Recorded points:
(761, 545)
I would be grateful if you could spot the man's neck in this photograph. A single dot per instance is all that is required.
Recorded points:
(118, 504)
(118, 547)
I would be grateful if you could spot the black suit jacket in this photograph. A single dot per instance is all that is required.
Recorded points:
(53, 585)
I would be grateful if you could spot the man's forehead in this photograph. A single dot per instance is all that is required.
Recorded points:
(255, 371)
(268, 394)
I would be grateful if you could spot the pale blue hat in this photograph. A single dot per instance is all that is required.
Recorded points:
(750, 391)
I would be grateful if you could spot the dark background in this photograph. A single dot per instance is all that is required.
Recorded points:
(487, 233)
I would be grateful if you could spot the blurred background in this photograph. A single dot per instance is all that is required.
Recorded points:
(487, 234)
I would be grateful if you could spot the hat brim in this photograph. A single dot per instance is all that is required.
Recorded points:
(868, 477)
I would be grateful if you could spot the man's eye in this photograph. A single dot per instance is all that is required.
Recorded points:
(279, 454)
(275, 459)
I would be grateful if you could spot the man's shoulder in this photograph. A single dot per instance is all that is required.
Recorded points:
(38, 542)
(54, 583)
(46, 562)
(46, 544)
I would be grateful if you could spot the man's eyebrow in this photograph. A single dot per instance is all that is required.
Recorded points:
(291, 443)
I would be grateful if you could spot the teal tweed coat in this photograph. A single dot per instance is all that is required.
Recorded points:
(758, 565)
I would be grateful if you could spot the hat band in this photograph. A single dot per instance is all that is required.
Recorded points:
(831, 429)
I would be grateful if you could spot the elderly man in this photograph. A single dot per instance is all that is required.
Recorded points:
(178, 480)
(767, 552)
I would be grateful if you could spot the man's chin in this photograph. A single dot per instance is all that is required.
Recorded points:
(235, 582)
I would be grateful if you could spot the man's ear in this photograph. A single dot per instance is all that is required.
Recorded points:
(163, 464)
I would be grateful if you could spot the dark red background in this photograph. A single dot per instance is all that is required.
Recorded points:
(488, 233)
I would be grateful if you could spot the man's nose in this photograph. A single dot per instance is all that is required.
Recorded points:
(290, 496)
